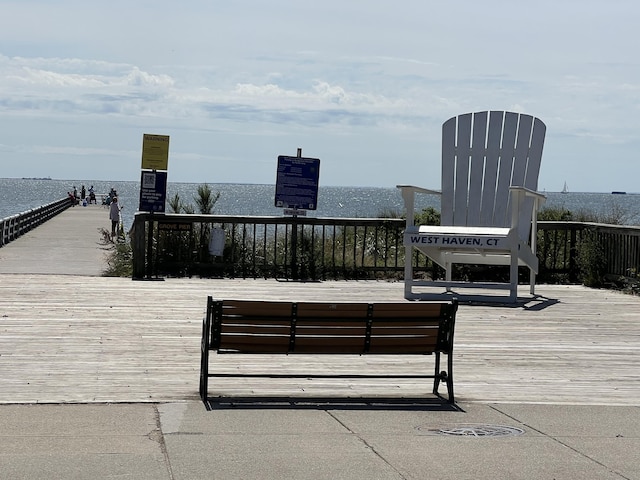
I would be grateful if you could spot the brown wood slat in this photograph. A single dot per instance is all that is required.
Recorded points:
(329, 343)
(251, 329)
(228, 340)
(332, 310)
(313, 348)
(400, 350)
(284, 322)
(254, 348)
(334, 322)
(404, 330)
(428, 343)
(409, 322)
(256, 308)
(404, 310)
(307, 327)
(333, 331)
(257, 337)
(402, 345)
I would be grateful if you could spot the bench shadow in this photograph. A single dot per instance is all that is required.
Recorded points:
(434, 404)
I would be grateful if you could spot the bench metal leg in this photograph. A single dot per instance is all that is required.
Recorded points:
(445, 376)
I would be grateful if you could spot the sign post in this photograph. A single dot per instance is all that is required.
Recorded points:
(153, 183)
(297, 192)
(297, 182)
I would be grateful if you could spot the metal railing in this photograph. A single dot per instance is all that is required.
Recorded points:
(304, 248)
(570, 248)
(301, 248)
(16, 225)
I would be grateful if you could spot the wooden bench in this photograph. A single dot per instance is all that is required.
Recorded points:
(278, 327)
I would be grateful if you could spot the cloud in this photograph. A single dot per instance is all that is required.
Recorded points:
(363, 77)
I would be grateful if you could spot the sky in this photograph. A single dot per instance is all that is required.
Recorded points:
(363, 85)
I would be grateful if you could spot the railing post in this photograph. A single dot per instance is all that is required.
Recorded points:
(138, 236)
(294, 249)
(149, 249)
(573, 254)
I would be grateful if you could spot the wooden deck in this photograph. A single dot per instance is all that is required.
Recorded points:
(82, 339)
(67, 335)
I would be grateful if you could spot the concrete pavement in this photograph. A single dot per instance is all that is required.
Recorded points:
(185, 441)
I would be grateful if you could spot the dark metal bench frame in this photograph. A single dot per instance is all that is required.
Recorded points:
(264, 327)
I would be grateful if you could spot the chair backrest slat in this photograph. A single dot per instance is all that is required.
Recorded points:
(494, 140)
(476, 183)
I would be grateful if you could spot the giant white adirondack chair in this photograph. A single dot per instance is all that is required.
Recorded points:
(490, 165)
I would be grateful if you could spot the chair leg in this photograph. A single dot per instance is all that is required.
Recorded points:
(408, 272)
(532, 282)
(513, 277)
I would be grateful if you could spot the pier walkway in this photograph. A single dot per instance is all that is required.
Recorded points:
(69, 244)
(99, 379)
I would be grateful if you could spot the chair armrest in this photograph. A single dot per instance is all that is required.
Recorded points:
(530, 193)
(414, 189)
(408, 196)
(519, 194)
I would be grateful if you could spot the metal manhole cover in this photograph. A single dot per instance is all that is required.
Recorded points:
(473, 430)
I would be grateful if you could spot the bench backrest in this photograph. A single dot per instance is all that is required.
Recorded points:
(246, 326)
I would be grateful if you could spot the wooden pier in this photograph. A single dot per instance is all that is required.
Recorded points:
(69, 244)
(69, 335)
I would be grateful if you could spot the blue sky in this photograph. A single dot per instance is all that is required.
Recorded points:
(364, 85)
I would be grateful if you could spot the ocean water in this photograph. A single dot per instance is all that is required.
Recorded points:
(19, 195)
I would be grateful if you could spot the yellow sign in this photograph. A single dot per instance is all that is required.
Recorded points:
(155, 152)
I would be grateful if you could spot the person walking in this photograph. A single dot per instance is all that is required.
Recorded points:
(114, 215)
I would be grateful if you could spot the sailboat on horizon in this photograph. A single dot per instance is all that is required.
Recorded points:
(565, 189)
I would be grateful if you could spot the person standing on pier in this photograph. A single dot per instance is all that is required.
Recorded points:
(114, 215)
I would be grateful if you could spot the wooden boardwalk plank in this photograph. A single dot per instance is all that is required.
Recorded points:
(66, 338)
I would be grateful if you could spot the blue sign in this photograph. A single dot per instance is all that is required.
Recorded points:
(297, 182)
(153, 191)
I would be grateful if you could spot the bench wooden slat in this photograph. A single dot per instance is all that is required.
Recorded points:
(331, 310)
(256, 308)
(306, 327)
(251, 329)
(253, 348)
(427, 343)
(314, 349)
(405, 310)
(403, 330)
(399, 350)
(277, 342)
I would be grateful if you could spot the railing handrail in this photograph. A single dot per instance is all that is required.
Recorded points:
(17, 225)
(575, 225)
(265, 219)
